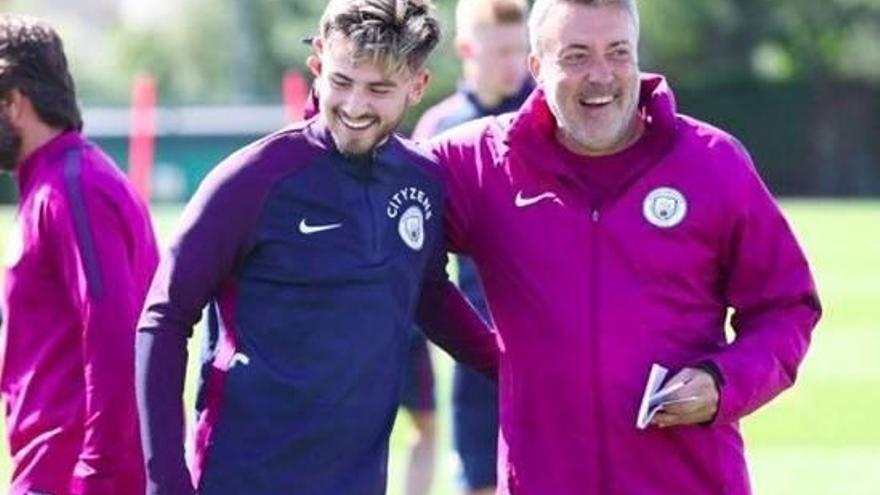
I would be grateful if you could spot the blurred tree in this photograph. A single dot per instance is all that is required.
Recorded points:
(224, 50)
(808, 67)
(191, 55)
(701, 41)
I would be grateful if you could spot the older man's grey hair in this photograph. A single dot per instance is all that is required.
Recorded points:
(541, 8)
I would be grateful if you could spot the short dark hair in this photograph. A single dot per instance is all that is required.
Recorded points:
(32, 61)
(398, 32)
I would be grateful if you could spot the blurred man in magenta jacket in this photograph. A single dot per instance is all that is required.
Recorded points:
(77, 271)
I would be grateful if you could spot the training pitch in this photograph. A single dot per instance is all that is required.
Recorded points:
(819, 438)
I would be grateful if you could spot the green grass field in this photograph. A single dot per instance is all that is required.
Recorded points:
(819, 438)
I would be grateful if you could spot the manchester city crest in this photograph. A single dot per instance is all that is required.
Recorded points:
(411, 223)
(665, 207)
(412, 228)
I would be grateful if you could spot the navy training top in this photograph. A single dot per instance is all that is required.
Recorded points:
(312, 264)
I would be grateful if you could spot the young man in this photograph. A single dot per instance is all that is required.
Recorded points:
(313, 247)
(492, 42)
(79, 264)
(612, 233)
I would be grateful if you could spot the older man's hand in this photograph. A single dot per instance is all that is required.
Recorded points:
(698, 384)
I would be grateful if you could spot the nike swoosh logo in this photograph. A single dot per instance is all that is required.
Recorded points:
(307, 229)
(522, 201)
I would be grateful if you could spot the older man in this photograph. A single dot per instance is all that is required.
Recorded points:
(612, 233)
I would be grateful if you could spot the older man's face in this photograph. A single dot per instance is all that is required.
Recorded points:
(587, 63)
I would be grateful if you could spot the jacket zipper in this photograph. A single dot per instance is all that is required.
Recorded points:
(602, 467)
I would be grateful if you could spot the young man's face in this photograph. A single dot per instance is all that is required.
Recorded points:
(361, 101)
(496, 56)
(587, 65)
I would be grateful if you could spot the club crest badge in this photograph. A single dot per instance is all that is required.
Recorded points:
(412, 228)
(411, 223)
(665, 207)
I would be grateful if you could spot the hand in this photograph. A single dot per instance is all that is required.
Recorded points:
(697, 383)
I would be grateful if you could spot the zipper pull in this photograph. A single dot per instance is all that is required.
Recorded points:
(595, 215)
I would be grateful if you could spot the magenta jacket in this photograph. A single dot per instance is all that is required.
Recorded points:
(77, 271)
(586, 297)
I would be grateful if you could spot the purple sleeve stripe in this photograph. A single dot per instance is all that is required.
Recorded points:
(72, 166)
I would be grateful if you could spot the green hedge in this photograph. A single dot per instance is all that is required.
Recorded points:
(806, 139)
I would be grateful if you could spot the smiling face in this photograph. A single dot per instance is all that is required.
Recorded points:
(362, 101)
(586, 62)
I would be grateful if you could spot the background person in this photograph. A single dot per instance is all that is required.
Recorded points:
(611, 233)
(77, 271)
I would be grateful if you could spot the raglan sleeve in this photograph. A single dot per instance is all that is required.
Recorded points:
(214, 232)
(459, 167)
(769, 285)
(89, 238)
(444, 314)
(447, 318)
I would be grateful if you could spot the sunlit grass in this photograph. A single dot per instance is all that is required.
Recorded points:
(819, 438)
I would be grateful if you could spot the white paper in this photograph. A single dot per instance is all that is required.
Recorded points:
(655, 399)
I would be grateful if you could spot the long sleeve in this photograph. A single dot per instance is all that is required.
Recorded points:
(98, 265)
(449, 320)
(161, 368)
(445, 315)
(460, 167)
(769, 285)
(214, 232)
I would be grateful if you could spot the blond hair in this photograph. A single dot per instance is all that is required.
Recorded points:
(401, 33)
